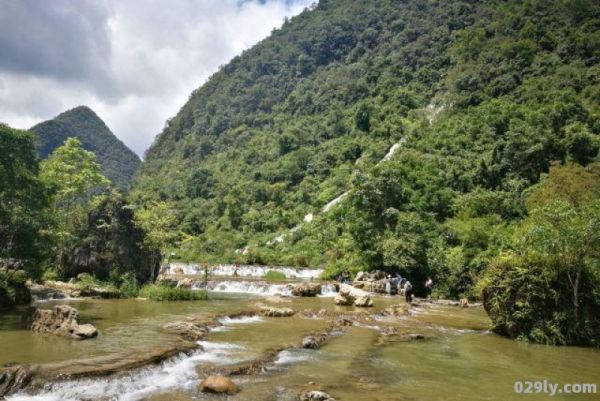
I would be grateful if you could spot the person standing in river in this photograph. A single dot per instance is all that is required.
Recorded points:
(408, 290)
(428, 287)
(206, 270)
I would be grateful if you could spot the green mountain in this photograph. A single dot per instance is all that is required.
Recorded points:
(473, 100)
(118, 162)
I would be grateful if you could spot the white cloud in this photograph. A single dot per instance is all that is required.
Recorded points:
(134, 62)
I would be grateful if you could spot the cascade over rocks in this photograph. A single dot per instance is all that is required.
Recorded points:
(306, 290)
(62, 320)
(349, 295)
(218, 385)
(15, 378)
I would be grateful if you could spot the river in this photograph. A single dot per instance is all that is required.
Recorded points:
(459, 359)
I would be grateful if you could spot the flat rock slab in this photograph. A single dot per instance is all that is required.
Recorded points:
(16, 378)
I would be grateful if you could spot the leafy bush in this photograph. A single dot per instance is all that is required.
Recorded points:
(89, 285)
(273, 275)
(129, 286)
(13, 290)
(547, 289)
(157, 292)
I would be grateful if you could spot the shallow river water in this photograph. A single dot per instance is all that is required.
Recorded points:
(459, 360)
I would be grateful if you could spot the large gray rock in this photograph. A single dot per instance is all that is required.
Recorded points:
(349, 295)
(62, 320)
(306, 290)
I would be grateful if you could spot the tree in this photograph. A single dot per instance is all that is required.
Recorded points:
(159, 222)
(548, 288)
(75, 179)
(23, 199)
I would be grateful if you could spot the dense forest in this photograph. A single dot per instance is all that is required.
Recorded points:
(489, 100)
(118, 162)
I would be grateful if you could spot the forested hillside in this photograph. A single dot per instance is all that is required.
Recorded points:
(487, 93)
(486, 96)
(118, 162)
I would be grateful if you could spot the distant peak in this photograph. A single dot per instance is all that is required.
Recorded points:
(79, 110)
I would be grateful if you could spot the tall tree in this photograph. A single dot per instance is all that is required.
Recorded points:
(75, 179)
(23, 199)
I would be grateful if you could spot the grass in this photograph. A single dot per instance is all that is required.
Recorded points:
(273, 275)
(158, 292)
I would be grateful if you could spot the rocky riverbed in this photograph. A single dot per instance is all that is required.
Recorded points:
(271, 347)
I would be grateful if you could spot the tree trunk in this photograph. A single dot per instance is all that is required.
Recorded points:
(576, 295)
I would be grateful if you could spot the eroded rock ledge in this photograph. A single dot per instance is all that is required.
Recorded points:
(15, 378)
(62, 321)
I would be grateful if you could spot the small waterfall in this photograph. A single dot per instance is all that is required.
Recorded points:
(251, 287)
(328, 290)
(261, 288)
(176, 374)
(244, 271)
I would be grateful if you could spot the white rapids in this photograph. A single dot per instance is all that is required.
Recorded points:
(243, 271)
(178, 373)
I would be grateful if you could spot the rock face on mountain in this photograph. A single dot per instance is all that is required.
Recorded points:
(118, 162)
(61, 320)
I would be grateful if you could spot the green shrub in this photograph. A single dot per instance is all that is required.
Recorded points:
(158, 292)
(13, 290)
(529, 300)
(273, 275)
(129, 285)
(50, 275)
(90, 285)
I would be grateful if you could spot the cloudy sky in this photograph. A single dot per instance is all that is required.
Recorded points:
(134, 62)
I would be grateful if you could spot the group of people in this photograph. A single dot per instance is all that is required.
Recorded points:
(402, 286)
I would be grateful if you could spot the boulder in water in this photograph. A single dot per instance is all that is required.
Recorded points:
(315, 395)
(62, 320)
(188, 330)
(314, 341)
(218, 385)
(186, 282)
(306, 290)
(271, 311)
(349, 295)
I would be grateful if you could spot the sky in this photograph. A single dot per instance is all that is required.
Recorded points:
(134, 62)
